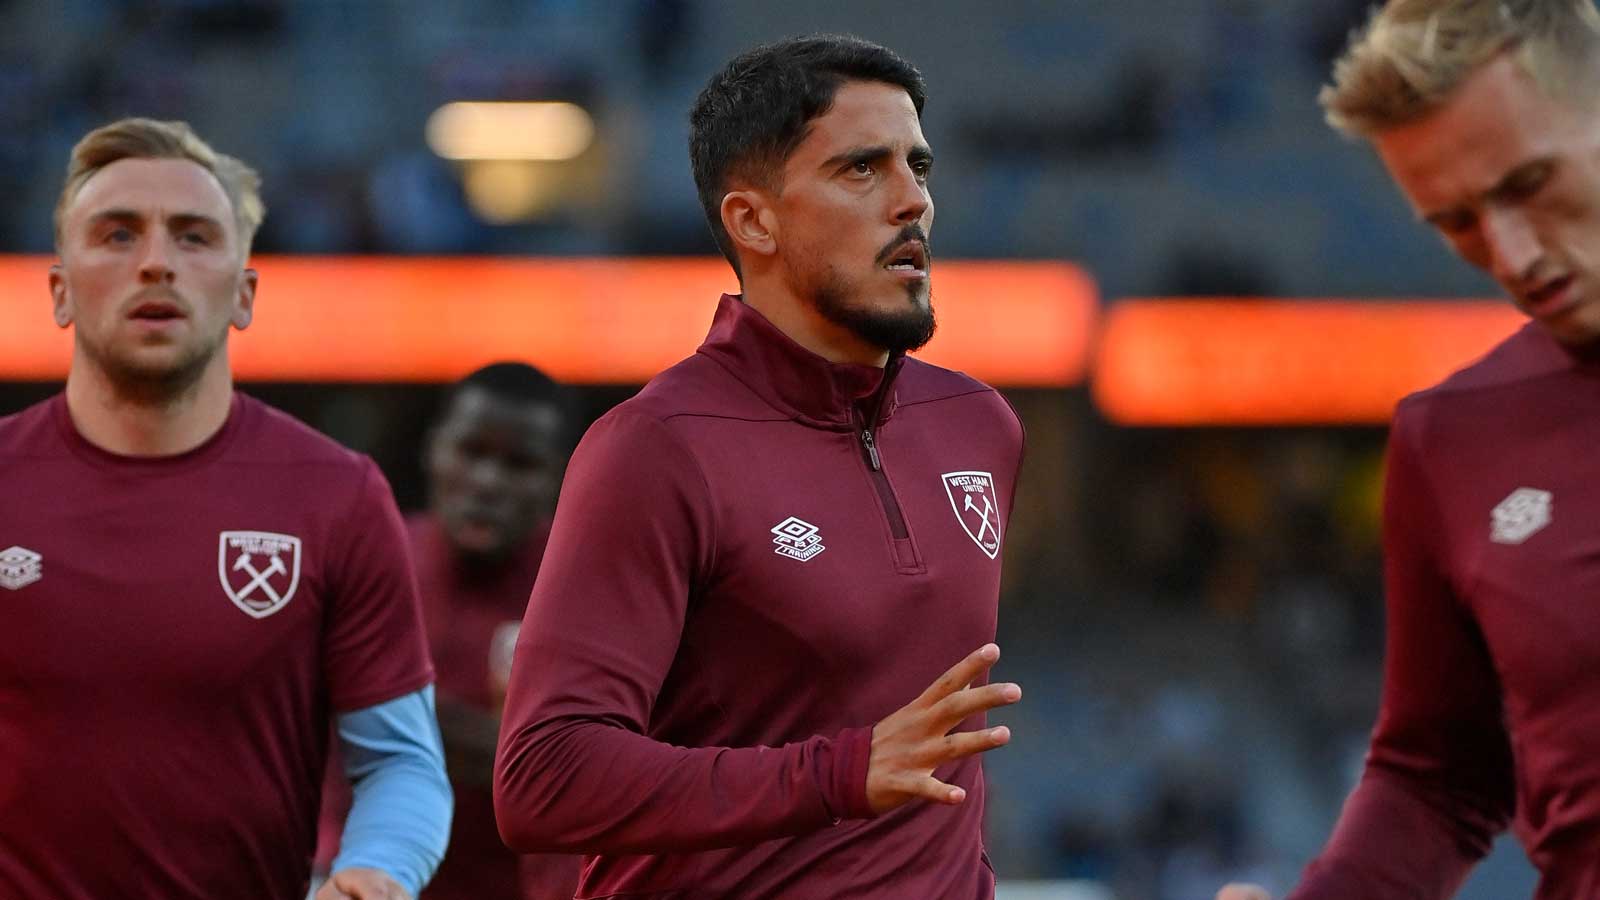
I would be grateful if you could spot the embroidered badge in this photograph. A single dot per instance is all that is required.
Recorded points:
(1519, 515)
(797, 539)
(19, 567)
(972, 496)
(259, 569)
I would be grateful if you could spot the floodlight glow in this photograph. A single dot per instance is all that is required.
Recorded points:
(545, 131)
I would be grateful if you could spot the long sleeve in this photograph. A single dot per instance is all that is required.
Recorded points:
(399, 821)
(632, 548)
(1438, 784)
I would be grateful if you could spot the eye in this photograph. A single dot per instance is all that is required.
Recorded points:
(118, 235)
(194, 237)
(861, 167)
(922, 168)
(1526, 182)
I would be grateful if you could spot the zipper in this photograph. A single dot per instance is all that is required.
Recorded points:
(869, 444)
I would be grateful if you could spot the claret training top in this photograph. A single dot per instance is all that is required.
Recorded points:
(1491, 699)
(175, 633)
(753, 561)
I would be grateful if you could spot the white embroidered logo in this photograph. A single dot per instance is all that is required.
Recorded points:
(976, 510)
(1519, 515)
(20, 567)
(797, 539)
(259, 590)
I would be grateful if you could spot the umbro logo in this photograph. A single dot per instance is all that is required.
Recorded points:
(19, 567)
(797, 539)
(1522, 513)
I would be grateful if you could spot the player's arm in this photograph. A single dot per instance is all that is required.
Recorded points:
(1438, 784)
(399, 820)
(633, 537)
(379, 678)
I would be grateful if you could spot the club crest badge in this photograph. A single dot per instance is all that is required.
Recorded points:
(19, 567)
(972, 496)
(259, 569)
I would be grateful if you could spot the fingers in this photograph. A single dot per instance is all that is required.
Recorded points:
(958, 706)
(961, 674)
(968, 743)
(1243, 892)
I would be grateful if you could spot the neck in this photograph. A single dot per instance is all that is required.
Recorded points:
(140, 420)
(803, 324)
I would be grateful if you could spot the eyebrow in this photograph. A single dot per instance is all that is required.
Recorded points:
(1499, 188)
(854, 155)
(176, 220)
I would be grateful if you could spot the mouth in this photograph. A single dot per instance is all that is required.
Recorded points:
(910, 258)
(156, 311)
(1551, 297)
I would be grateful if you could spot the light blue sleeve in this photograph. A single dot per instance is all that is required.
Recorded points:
(399, 821)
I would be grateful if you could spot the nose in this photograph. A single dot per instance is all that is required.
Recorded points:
(911, 198)
(155, 267)
(1513, 245)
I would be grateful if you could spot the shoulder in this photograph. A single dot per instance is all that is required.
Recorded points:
(30, 432)
(271, 437)
(1478, 395)
(698, 387)
(956, 394)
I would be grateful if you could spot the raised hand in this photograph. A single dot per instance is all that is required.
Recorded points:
(916, 739)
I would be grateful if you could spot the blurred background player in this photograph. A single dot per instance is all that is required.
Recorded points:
(1487, 116)
(195, 581)
(782, 540)
(493, 463)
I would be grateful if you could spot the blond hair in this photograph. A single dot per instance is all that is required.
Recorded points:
(1413, 55)
(152, 139)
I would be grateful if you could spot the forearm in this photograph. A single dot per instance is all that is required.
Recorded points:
(399, 820)
(1398, 838)
(583, 785)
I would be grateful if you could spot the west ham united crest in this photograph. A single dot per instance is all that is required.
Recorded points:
(977, 507)
(259, 569)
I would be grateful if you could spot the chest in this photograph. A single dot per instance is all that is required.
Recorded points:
(197, 583)
(1524, 533)
(821, 555)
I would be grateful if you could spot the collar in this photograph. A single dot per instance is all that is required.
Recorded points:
(790, 378)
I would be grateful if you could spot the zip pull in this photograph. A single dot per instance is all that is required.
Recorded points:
(872, 450)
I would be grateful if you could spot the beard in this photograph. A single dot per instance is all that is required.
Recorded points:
(150, 381)
(901, 330)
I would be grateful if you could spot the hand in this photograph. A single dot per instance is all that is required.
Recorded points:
(361, 884)
(1243, 892)
(915, 739)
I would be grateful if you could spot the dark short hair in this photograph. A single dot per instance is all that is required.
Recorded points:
(524, 385)
(755, 112)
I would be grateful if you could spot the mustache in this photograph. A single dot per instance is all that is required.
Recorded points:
(912, 232)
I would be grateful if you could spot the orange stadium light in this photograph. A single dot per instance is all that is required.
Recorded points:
(593, 321)
(1283, 362)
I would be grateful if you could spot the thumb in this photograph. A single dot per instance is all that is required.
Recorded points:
(1243, 892)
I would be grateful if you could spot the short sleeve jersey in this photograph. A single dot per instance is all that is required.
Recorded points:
(177, 632)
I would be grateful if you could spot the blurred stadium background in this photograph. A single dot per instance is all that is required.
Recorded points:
(1193, 601)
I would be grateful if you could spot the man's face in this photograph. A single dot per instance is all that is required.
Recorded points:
(854, 216)
(494, 469)
(1511, 178)
(152, 272)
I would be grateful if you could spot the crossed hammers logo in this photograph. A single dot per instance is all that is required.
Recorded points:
(258, 578)
(984, 514)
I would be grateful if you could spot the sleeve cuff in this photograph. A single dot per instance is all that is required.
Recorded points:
(844, 763)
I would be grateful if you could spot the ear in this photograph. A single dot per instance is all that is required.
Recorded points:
(60, 300)
(244, 310)
(750, 222)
